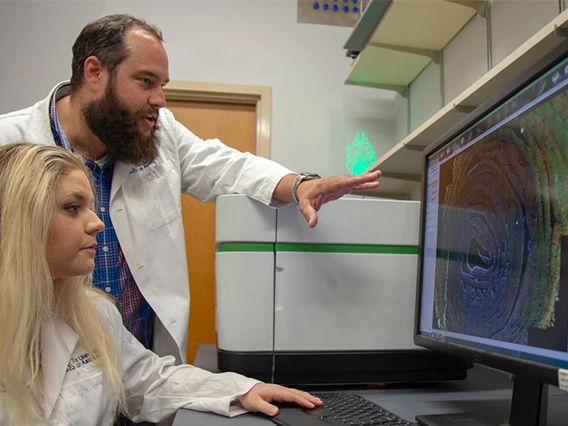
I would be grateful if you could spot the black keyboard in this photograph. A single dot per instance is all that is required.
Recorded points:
(340, 409)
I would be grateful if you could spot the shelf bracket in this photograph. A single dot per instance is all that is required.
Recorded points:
(561, 31)
(463, 109)
(414, 148)
(401, 90)
(434, 55)
(352, 54)
(480, 6)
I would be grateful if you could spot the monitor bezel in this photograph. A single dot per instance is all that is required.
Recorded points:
(541, 372)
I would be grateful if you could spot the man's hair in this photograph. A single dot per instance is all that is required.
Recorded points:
(104, 38)
(29, 177)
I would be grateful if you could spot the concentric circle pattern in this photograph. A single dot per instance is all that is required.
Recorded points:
(503, 209)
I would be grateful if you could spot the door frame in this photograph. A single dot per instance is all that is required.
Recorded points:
(260, 96)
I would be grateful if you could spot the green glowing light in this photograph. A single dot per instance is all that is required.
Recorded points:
(359, 155)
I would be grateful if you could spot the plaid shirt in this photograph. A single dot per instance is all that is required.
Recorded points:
(111, 273)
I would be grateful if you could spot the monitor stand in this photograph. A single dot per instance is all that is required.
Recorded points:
(528, 408)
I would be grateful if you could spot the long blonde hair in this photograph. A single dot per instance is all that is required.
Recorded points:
(29, 177)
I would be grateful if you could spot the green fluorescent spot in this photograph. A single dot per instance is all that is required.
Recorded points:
(359, 155)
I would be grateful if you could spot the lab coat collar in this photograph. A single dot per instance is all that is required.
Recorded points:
(120, 173)
(58, 341)
(39, 130)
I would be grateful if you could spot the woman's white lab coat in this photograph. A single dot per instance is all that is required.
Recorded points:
(155, 387)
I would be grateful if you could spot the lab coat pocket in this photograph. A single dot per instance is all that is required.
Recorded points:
(87, 401)
(155, 193)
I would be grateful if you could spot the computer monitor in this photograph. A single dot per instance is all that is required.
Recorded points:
(493, 263)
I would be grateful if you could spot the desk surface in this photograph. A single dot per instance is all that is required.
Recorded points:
(485, 391)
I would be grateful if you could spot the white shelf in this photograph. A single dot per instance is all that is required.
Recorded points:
(404, 160)
(409, 35)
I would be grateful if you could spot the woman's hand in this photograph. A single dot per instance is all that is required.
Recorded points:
(259, 398)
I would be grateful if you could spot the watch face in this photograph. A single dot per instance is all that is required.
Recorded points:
(299, 179)
(310, 175)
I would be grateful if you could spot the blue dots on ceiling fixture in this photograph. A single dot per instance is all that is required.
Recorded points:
(325, 5)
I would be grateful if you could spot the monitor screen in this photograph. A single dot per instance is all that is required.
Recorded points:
(493, 267)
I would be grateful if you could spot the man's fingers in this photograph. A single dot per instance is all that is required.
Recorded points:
(320, 191)
(366, 178)
(368, 185)
(349, 183)
(309, 213)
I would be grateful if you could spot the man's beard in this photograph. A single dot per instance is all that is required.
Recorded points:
(117, 127)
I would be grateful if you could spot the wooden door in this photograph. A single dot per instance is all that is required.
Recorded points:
(235, 125)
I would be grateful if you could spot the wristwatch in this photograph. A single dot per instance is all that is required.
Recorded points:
(299, 179)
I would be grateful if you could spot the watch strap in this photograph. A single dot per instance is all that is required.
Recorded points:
(300, 177)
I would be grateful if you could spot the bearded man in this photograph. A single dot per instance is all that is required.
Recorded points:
(112, 113)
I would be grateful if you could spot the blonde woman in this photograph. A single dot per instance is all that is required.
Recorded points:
(65, 358)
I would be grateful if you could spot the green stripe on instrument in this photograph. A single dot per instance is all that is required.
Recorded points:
(346, 248)
(316, 248)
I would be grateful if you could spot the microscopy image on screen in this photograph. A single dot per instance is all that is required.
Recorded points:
(503, 222)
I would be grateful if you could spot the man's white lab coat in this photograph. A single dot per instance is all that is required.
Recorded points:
(145, 207)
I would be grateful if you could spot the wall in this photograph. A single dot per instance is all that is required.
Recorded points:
(424, 95)
(35, 46)
(314, 115)
(466, 57)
